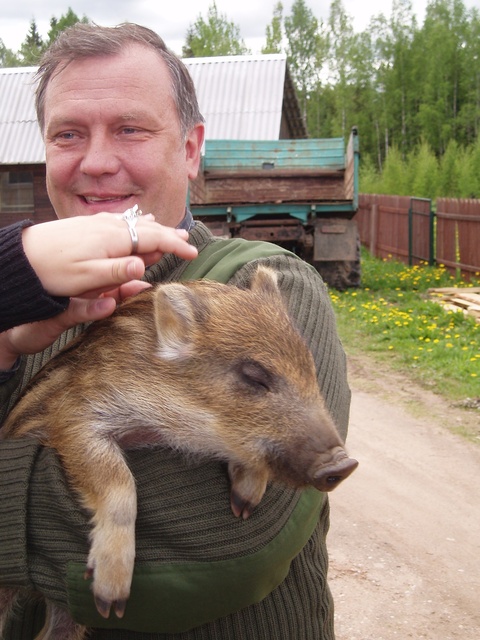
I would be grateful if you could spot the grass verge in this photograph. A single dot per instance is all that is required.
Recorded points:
(394, 319)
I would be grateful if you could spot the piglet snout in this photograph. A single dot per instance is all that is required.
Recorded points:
(330, 476)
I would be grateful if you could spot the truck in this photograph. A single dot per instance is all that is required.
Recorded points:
(301, 194)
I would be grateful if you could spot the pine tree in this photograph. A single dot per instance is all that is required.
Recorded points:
(32, 47)
(66, 20)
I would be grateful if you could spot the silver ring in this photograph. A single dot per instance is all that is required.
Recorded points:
(131, 216)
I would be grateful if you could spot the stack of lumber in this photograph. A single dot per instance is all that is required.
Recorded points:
(459, 299)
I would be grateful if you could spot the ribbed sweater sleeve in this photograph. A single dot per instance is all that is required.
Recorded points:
(16, 461)
(22, 296)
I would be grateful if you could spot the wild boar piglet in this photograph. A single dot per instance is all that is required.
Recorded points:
(204, 368)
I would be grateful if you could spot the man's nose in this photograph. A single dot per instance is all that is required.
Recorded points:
(100, 156)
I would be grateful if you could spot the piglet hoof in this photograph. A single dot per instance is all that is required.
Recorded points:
(328, 478)
(119, 608)
(103, 607)
(240, 506)
(110, 563)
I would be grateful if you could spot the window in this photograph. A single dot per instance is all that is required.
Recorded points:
(16, 191)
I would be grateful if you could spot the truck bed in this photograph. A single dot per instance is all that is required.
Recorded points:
(245, 172)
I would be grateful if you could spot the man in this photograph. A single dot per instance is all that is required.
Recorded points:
(121, 126)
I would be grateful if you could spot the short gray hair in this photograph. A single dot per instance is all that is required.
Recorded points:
(88, 40)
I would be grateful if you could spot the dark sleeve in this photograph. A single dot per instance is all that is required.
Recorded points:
(22, 296)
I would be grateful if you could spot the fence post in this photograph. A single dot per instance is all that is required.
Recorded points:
(373, 229)
(432, 257)
(410, 233)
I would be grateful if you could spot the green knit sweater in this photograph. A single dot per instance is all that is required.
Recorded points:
(184, 524)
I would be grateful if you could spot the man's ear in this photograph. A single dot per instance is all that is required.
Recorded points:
(193, 148)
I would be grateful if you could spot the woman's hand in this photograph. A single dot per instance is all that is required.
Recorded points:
(85, 256)
(88, 259)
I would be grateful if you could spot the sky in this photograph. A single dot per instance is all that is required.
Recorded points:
(172, 19)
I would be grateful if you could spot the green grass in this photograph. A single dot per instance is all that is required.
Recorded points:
(394, 319)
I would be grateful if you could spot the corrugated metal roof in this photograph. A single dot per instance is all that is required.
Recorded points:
(20, 139)
(240, 97)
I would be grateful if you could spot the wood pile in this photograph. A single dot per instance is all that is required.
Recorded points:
(465, 299)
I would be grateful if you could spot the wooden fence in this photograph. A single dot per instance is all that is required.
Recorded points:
(407, 229)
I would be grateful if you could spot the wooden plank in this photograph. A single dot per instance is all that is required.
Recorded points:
(454, 290)
(264, 189)
(465, 299)
(308, 153)
(460, 302)
(470, 297)
(272, 174)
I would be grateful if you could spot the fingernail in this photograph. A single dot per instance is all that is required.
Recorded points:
(135, 269)
(102, 304)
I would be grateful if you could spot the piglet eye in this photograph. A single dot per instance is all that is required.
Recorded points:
(255, 375)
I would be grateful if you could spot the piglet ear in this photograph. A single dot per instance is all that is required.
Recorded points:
(175, 321)
(264, 281)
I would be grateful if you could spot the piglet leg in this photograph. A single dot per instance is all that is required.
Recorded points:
(8, 599)
(106, 487)
(60, 626)
(248, 487)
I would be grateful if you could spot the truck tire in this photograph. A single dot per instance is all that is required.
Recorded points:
(341, 274)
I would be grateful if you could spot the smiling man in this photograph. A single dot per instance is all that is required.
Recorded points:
(122, 127)
(114, 139)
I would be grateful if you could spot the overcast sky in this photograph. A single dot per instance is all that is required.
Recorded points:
(171, 19)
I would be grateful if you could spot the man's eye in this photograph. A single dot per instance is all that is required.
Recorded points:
(66, 135)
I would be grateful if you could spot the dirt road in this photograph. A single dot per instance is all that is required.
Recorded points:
(405, 537)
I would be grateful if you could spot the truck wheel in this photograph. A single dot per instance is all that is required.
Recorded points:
(341, 274)
(338, 274)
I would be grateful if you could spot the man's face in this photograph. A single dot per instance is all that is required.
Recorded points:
(113, 138)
